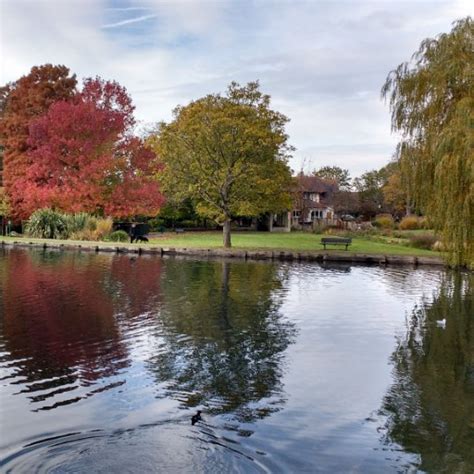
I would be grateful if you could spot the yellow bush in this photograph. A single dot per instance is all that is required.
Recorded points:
(95, 229)
(409, 223)
(384, 221)
(104, 227)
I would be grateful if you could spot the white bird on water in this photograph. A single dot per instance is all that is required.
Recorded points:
(441, 324)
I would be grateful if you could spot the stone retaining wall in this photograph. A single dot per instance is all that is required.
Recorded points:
(317, 256)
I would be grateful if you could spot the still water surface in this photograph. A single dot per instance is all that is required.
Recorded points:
(296, 367)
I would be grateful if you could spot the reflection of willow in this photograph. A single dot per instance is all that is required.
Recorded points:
(223, 337)
(430, 407)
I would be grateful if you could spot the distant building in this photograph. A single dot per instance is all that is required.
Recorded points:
(313, 201)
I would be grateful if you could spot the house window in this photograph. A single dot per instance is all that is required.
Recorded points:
(296, 214)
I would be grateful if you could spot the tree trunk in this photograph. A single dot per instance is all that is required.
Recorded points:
(226, 234)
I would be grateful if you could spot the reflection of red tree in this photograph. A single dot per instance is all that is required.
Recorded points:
(59, 319)
(139, 280)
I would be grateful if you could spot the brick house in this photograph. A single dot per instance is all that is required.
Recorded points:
(313, 201)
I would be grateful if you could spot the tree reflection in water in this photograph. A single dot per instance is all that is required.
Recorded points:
(222, 337)
(430, 407)
(62, 320)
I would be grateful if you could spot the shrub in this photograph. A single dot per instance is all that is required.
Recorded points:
(423, 241)
(77, 222)
(47, 224)
(409, 223)
(103, 227)
(95, 229)
(119, 236)
(384, 221)
(85, 234)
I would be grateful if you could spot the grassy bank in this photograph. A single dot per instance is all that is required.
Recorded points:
(294, 241)
(299, 241)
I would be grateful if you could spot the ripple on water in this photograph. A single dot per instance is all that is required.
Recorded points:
(287, 361)
(165, 446)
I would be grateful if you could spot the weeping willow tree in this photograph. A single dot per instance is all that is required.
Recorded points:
(432, 105)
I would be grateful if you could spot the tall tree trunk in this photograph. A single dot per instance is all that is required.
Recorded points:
(226, 234)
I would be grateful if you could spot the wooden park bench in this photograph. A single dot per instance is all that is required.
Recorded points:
(336, 241)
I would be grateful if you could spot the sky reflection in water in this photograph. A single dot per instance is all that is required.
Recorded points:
(104, 359)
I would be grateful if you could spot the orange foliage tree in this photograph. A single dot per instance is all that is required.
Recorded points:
(76, 152)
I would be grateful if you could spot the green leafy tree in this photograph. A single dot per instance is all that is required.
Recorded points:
(376, 193)
(399, 188)
(334, 173)
(394, 195)
(174, 214)
(369, 187)
(228, 153)
(432, 105)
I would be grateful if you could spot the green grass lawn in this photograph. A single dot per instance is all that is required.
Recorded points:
(303, 241)
(295, 241)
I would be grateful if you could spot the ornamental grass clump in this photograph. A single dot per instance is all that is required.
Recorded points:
(95, 228)
(47, 224)
(76, 222)
(50, 224)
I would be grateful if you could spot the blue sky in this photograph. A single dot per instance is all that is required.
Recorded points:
(323, 62)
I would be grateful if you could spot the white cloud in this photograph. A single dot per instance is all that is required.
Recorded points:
(129, 21)
(322, 62)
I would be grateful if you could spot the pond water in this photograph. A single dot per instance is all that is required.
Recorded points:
(296, 367)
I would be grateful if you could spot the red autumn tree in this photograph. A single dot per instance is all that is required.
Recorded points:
(136, 191)
(23, 101)
(83, 157)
